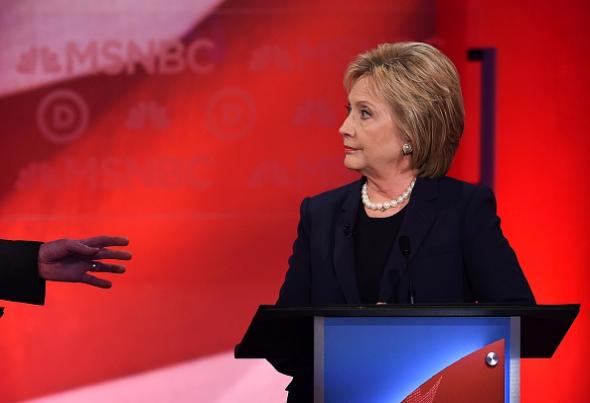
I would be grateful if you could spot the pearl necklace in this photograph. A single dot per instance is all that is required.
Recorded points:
(388, 204)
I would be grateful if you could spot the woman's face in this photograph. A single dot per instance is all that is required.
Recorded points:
(372, 143)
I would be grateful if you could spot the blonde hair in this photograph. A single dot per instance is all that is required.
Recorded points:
(422, 86)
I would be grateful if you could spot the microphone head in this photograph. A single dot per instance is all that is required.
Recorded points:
(348, 231)
(404, 245)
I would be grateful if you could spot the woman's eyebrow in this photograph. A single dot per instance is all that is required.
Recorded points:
(361, 102)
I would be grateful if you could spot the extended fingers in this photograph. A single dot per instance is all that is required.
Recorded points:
(102, 268)
(102, 241)
(55, 250)
(79, 248)
(95, 281)
(112, 254)
(106, 268)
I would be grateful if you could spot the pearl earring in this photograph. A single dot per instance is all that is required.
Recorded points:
(407, 149)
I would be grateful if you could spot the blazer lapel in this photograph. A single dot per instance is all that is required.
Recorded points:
(344, 259)
(418, 219)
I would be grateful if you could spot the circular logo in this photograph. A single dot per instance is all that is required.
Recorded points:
(62, 116)
(230, 113)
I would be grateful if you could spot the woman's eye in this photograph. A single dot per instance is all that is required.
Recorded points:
(348, 109)
(365, 114)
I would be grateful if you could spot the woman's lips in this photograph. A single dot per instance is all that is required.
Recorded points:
(349, 150)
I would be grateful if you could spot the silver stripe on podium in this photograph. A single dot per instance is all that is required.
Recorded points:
(318, 359)
(514, 359)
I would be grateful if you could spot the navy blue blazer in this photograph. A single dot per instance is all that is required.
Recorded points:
(458, 251)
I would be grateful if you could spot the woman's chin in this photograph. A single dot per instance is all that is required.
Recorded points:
(353, 163)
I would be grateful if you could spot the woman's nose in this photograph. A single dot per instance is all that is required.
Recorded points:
(345, 128)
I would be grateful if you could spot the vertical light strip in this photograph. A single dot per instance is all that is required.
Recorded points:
(515, 359)
(318, 359)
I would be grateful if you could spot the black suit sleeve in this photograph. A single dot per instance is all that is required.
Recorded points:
(296, 292)
(296, 287)
(492, 266)
(19, 273)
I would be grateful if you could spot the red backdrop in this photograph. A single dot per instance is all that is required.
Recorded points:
(202, 158)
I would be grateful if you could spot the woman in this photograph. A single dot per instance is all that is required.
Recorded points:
(404, 122)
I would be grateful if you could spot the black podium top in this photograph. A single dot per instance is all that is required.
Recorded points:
(276, 331)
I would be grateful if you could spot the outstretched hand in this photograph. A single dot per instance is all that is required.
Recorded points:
(72, 260)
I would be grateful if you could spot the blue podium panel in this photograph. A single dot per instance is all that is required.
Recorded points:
(384, 359)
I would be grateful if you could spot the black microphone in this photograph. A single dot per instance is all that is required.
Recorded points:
(348, 231)
(404, 247)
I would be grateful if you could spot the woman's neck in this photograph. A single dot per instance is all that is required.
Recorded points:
(389, 186)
